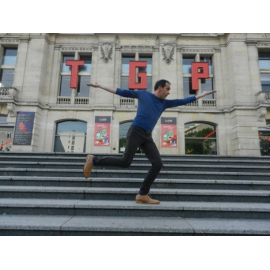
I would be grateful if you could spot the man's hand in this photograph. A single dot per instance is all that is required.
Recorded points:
(96, 85)
(205, 93)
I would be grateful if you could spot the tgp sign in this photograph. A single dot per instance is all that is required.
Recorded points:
(75, 64)
(199, 70)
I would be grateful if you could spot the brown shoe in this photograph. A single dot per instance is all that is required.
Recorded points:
(88, 166)
(145, 199)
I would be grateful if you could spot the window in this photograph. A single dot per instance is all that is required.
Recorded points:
(264, 64)
(65, 90)
(62, 136)
(148, 70)
(187, 60)
(84, 76)
(125, 70)
(3, 118)
(207, 84)
(200, 139)
(8, 67)
(264, 137)
(204, 84)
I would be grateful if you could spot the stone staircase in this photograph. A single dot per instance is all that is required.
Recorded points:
(46, 194)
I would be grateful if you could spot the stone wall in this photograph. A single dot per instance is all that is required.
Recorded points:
(237, 112)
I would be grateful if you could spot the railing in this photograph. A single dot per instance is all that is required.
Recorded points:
(7, 92)
(63, 100)
(267, 96)
(208, 102)
(81, 100)
(194, 103)
(4, 91)
(127, 101)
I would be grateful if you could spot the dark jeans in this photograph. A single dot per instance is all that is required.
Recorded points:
(136, 137)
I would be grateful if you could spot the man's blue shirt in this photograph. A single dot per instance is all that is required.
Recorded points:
(150, 107)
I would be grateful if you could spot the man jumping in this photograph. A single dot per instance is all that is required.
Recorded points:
(150, 108)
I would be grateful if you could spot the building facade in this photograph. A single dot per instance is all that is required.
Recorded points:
(40, 112)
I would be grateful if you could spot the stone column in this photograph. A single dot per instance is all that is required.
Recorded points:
(179, 68)
(168, 63)
(244, 134)
(20, 65)
(254, 70)
(35, 69)
(56, 67)
(105, 70)
(218, 77)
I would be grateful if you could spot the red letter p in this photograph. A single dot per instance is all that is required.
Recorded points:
(196, 75)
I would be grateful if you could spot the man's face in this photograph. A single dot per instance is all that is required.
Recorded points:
(164, 91)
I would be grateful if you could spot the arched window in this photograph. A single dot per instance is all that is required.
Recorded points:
(200, 139)
(70, 137)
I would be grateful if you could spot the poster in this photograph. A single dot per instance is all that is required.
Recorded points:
(24, 128)
(102, 131)
(168, 132)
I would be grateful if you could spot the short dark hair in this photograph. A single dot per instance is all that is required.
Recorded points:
(161, 83)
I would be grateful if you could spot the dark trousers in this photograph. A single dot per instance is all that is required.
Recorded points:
(136, 137)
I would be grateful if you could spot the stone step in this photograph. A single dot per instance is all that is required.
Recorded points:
(20, 225)
(122, 173)
(206, 195)
(97, 193)
(83, 155)
(141, 160)
(134, 183)
(138, 166)
(116, 208)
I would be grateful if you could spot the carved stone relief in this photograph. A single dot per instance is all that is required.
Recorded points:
(76, 49)
(9, 40)
(168, 51)
(106, 51)
(197, 50)
(137, 48)
(261, 114)
(11, 109)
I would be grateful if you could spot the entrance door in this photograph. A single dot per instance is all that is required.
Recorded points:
(200, 139)
(6, 138)
(264, 136)
(70, 137)
(6, 134)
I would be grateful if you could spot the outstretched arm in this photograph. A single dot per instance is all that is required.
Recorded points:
(97, 85)
(205, 93)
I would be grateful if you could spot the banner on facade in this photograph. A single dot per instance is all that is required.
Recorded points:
(168, 132)
(24, 128)
(102, 131)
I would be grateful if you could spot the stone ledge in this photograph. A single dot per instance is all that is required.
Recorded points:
(129, 225)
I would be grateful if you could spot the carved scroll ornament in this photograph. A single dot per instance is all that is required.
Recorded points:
(106, 51)
(168, 51)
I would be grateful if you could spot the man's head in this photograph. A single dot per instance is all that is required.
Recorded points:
(162, 89)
